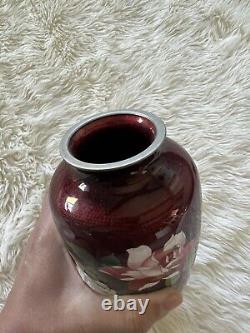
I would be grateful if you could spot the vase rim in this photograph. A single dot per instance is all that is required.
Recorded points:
(99, 167)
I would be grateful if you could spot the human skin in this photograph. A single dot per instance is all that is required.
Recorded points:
(49, 296)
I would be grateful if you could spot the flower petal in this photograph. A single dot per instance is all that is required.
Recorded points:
(134, 274)
(160, 256)
(151, 272)
(144, 272)
(175, 240)
(173, 263)
(138, 255)
(171, 275)
(180, 239)
(148, 285)
(115, 271)
(151, 262)
(127, 279)
(170, 244)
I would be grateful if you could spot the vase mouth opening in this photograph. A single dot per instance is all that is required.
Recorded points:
(112, 140)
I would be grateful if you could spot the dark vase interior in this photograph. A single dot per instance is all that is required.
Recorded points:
(112, 140)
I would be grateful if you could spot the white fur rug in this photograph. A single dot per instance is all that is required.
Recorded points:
(187, 61)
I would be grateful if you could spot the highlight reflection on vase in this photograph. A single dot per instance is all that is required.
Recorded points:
(126, 200)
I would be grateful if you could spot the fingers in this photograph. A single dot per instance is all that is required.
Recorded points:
(154, 306)
(45, 214)
(44, 244)
(45, 227)
(161, 302)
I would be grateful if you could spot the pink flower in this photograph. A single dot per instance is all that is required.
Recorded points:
(146, 268)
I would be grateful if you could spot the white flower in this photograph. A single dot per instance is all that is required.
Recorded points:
(149, 266)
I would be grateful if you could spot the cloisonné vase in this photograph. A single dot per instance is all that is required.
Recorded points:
(126, 200)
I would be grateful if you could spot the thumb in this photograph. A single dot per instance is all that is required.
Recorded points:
(158, 305)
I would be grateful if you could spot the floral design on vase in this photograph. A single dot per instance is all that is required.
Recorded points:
(146, 268)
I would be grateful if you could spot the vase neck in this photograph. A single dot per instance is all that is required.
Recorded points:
(112, 141)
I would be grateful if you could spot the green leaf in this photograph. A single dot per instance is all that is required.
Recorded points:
(172, 281)
(110, 260)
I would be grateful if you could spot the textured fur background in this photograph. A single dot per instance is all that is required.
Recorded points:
(187, 61)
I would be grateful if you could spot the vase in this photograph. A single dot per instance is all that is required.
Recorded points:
(126, 200)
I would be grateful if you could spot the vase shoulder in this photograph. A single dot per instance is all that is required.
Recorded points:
(135, 204)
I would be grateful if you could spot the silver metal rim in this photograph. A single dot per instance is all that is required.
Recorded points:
(69, 158)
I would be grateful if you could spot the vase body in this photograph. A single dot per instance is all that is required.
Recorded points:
(134, 228)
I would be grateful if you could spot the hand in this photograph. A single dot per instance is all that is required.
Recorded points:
(49, 296)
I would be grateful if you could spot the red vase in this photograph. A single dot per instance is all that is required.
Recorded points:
(127, 202)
